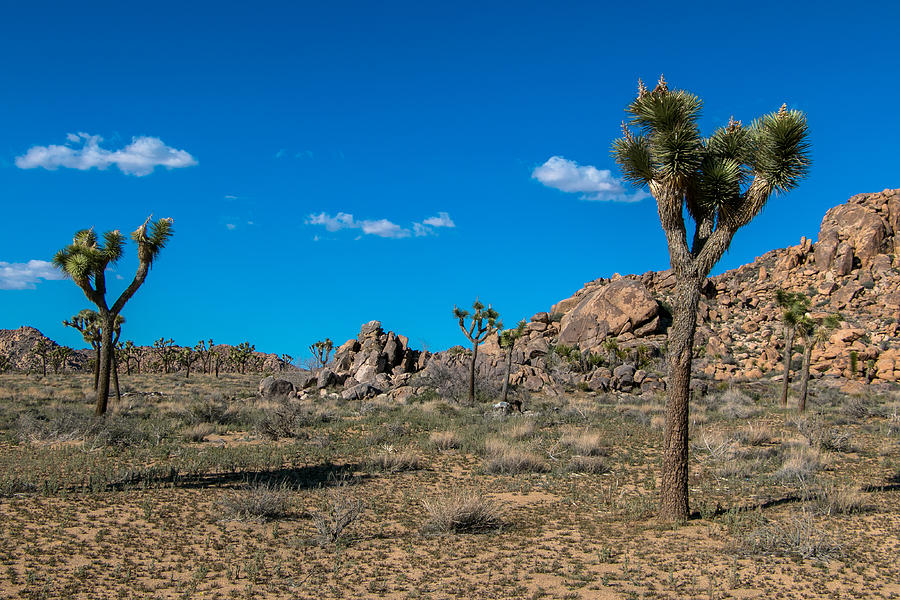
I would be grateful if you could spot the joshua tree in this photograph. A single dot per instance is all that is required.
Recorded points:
(241, 354)
(722, 182)
(507, 339)
(793, 306)
(214, 356)
(40, 350)
(286, 359)
(814, 330)
(612, 350)
(130, 352)
(484, 323)
(87, 322)
(86, 259)
(186, 357)
(320, 351)
(58, 358)
(166, 352)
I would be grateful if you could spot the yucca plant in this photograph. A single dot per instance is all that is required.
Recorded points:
(484, 323)
(507, 339)
(721, 182)
(85, 261)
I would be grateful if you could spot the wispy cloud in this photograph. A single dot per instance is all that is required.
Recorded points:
(592, 183)
(24, 276)
(379, 227)
(82, 151)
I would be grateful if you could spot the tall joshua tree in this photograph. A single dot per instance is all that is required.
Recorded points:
(484, 322)
(793, 306)
(507, 339)
(320, 351)
(814, 330)
(86, 259)
(722, 182)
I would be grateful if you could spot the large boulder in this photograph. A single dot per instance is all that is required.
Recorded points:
(270, 387)
(861, 229)
(616, 308)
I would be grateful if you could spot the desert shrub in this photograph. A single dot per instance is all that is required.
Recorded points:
(800, 465)
(716, 444)
(211, 409)
(56, 425)
(260, 502)
(461, 513)
(860, 407)
(758, 435)
(198, 432)
(799, 536)
(450, 379)
(593, 465)
(521, 430)
(585, 443)
(114, 430)
(444, 440)
(835, 440)
(510, 460)
(734, 404)
(831, 499)
(339, 510)
(288, 420)
(392, 461)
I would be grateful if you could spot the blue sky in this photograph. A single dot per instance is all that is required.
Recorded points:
(315, 155)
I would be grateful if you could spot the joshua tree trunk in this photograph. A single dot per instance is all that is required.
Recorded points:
(804, 380)
(509, 357)
(472, 375)
(679, 356)
(96, 367)
(115, 375)
(106, 353)
(788, 352)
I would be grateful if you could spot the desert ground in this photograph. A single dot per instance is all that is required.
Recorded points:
(199, 488)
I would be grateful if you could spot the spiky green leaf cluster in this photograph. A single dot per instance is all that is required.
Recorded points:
(662, 144)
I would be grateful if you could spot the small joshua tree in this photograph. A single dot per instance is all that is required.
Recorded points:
(793, 306)
(285, 361)
(507, 339)
(241, 354)
(721, 182)
(186, 357)
(58, 358)
(41, 351)
(320, 351)
(202, 355)
(86, 259)
(87, 322)
(814, 330)
(165, 351)
(130, 352)
(484, 322)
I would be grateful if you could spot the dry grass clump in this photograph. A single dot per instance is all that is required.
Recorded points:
(522, 430)
(799, 536)
(260, 503)
(758, 435)
(716, 444)
(198, 432)
(734, 404)
(462, 513)
(444, 440)
(800, 465)
(585, 443)
(392, 461)
(594, 465)
(839, 500)
(501, 458)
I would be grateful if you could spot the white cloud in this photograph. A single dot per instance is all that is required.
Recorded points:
(139, 158)
(230, 226)
(379, 227)
(24, 276)
(592, 183)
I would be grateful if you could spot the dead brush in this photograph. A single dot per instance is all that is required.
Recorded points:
(511, 460)
(585, 443)
(339, 511)
(259, 502)
(444, 440)
(718, 445)
(758, 435)
(461, 513)
(593, 465)
(523, 430)
(800, 465)
(198, 432)
(799, 536)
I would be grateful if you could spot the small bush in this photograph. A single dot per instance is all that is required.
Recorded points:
(288, 420)
(833, 500)
(444, 440)
(800, 465)
(513, 460)
(522, 430)
(585, 443)
(393, 462)
(593, 465)
(339, 511)
(734, 404)
(260, 503)
(198, 432)
(799, 536)
(755, 436)
(461, 513)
